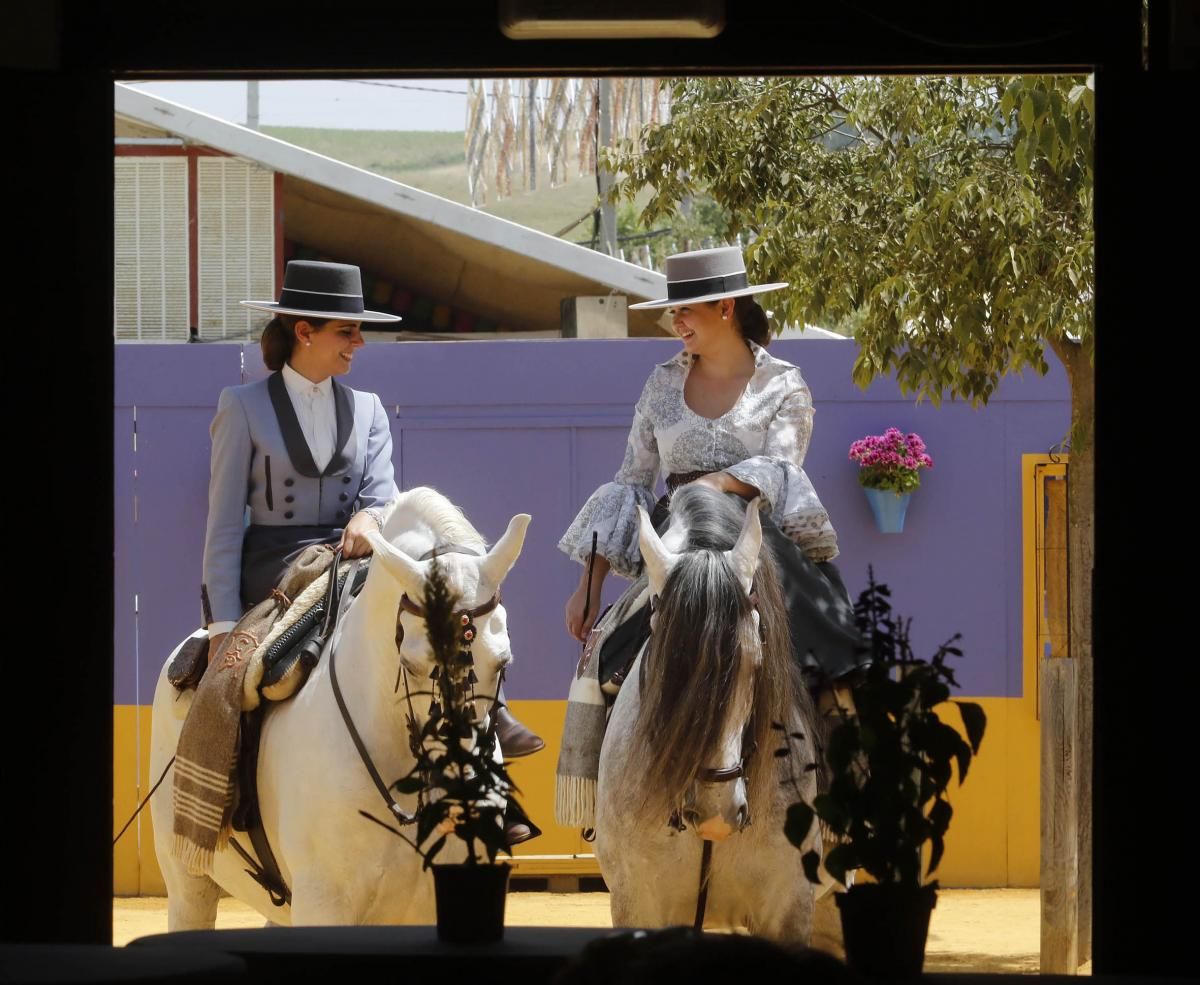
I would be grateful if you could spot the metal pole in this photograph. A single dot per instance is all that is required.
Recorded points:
(531, 111)
(252, 104)
(608, 212)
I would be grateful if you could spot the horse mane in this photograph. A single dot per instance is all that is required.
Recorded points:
(424, 506)
(703, 630)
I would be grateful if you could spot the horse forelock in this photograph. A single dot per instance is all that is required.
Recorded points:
(703, 639)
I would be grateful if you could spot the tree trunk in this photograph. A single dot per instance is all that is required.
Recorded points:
(1080, 561)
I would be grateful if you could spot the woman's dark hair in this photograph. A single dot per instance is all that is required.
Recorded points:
(752, 320)
(279, 338)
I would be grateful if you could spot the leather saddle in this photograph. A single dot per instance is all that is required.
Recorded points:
(288, 660)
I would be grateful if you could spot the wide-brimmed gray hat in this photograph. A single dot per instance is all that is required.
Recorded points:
(320, 289)
(706, 275)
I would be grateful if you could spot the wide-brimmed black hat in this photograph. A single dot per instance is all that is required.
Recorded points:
(320, 289)
(706, 275)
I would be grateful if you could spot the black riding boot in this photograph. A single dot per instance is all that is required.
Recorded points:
(517, 825)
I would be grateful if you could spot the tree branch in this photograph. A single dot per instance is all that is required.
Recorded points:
(837, 105)
(1069, 352)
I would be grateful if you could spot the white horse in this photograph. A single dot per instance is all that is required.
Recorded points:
(341, 868)
(699, 701)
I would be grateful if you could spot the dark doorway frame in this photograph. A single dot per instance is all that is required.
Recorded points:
(58, 67)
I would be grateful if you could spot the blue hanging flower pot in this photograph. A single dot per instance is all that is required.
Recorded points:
(889, 508)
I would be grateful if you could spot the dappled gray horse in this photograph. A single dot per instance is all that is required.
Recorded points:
(689, 752)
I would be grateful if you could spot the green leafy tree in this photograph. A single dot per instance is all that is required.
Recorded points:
(697, 222)
(947, 220)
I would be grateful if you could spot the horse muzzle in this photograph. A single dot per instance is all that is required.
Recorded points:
(716, 823)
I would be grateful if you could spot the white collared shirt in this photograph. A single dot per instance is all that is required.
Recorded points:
(316, 412)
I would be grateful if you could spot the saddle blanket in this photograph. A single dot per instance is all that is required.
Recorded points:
(206, 756)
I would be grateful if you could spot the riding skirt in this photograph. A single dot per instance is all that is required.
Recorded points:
(267, 551)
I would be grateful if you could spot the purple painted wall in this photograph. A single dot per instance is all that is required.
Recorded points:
(509, 427)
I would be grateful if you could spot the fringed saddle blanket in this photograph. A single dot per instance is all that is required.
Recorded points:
(206, 757)
(587, 716)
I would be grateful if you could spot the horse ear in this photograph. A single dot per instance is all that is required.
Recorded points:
(499, 560)
(409, 573)
(658, 559)
(744, 556)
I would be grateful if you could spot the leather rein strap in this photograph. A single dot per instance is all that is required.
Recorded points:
(702, 895)
(395, 809)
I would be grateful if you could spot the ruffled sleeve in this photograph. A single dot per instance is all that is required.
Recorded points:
(778, 474)
(611, 511)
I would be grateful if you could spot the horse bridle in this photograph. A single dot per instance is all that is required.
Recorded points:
(466, 618)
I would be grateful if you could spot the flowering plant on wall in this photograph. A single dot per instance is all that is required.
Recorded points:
(890, 461)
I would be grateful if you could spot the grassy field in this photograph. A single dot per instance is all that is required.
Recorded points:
(435, 161)
(387, 152)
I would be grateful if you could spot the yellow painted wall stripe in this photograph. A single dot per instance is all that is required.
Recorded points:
(989, 843)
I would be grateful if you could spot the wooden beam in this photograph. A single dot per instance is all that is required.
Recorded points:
(1060, 822)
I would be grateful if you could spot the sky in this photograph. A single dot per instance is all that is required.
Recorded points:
(384, 104)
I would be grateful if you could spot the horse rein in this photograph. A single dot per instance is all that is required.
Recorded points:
(398, 812)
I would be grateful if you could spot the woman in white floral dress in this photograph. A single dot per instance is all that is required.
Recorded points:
(725, 413)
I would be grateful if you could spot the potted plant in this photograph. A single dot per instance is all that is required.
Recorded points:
(461, 789)
(889, 762)
(890, 465)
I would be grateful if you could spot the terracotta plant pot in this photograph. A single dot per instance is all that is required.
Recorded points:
(885, 928)
(470, 902)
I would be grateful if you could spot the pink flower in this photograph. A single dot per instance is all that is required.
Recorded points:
(891, 459)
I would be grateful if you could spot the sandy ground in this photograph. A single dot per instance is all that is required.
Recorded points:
(972, 929)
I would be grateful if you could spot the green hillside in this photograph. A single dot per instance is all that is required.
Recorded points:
(435, 161)
(387, 152)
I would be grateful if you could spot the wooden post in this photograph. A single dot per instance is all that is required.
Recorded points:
(1060, 824)
(1061, 774)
